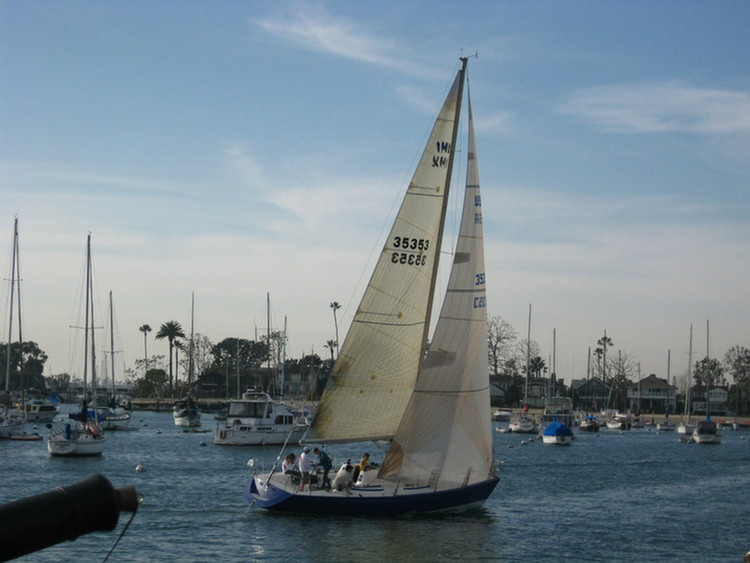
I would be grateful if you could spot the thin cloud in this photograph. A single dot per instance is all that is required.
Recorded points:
(323, 32)
(662, 107)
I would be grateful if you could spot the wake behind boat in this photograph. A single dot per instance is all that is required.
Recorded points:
(435, 403)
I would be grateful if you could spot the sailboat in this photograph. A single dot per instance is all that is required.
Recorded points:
(10, 422)
(185, 412)
(686, 426)
(82, 435)
(433, 405)
(525, 423)
(707, 431)
(113, 417)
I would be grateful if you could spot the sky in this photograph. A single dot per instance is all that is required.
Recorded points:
(239, 150)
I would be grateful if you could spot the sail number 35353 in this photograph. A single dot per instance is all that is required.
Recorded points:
(411, 248)
(481, 301)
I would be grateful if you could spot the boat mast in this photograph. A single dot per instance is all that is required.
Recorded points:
(93, 331)
(112, 342)
(15, 280)
(449, 174)
(191, 348)
(690, 373)
(528, 360)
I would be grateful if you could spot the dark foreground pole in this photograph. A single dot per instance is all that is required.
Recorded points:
(36, 522)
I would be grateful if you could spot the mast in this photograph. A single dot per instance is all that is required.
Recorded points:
(191, 366)
(449, 174)
(93, 331)
(112, 342)
(708, 377)
(690, 372)
(283, 359)
(528, 360)
(15, 280)
(86, 319)
(13, 267)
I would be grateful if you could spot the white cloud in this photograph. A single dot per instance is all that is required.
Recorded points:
(673, 106)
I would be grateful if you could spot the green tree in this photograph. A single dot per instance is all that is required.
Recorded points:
(709, 372)
(58, 383)
(26, 358)
(171, 330)
(737, 362)
(152, 384)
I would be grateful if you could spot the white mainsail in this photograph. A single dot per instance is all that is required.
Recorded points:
(445, 437)
(375, 372)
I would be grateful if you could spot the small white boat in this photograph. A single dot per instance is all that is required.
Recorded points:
(524, 423)
(257, 420)
(36, 410)
(665, 425)
(501, 415)
(77, 439)
(620, 422)
(9, 424)
(114, 419)
(186, 414)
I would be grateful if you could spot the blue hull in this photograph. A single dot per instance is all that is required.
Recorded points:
(354, 505)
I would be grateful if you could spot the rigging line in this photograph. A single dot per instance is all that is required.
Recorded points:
(125, 529)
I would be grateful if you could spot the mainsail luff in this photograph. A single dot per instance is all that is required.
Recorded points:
(445, 436)
(377, 367)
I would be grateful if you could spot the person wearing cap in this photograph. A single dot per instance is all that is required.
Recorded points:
(304, 467)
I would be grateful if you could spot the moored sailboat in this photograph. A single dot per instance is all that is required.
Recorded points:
(185, 412)
(12, 422)
(686, 426)
(707, 431)
(434, 403)
(524, 422)
(81, 434)
(113, 416)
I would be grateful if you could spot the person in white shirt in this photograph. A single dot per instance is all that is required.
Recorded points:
(305, 465)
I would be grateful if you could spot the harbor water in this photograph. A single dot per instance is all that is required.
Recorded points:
(615, 496)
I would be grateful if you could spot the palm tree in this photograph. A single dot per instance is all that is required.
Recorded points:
(604, 342)
(145, 329)
(170, 330)
(330, 344)
(335, 306)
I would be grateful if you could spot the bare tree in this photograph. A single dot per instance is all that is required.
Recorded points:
(500, 338)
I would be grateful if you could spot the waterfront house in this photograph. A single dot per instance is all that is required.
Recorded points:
(652, 394)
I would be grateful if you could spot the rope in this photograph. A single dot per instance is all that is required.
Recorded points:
(125, 529)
